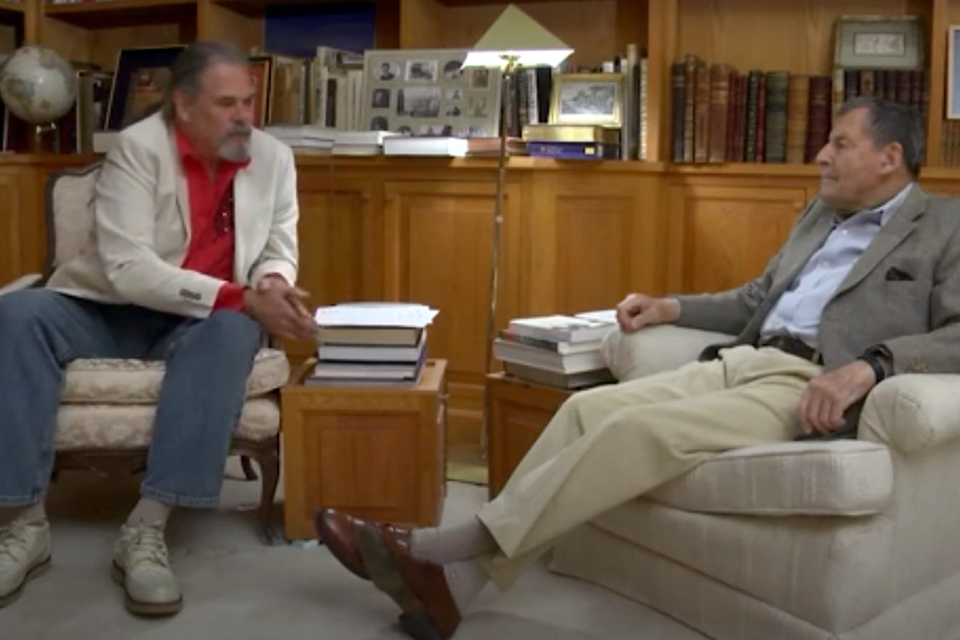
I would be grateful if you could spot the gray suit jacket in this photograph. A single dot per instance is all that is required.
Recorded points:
(914, 311)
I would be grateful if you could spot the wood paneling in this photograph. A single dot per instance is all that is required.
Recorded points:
(722, 237)
(795, 36)
(575, 236)
(437, 248)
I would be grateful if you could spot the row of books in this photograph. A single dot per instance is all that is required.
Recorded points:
(720, 114)
(367, 344)
(558, 350)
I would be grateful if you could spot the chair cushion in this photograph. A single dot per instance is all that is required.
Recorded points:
(115, 381)
(130, 426)
(844, 477)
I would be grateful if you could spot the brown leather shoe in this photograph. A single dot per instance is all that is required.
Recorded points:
(338, 531)
(417, 586)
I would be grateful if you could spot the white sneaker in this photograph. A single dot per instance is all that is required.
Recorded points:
(141, 565)
(24, 555)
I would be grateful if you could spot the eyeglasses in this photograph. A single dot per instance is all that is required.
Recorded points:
(223, 220)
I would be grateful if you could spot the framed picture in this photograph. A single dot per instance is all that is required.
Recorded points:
(425, 93)
(261, 68)
(140, 80)
(879, 42)
(587, 98)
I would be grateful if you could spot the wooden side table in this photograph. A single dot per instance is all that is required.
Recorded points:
(376, 452)
(519, 410)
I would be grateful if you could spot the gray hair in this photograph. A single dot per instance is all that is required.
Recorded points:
(187, 70)
(889, 122)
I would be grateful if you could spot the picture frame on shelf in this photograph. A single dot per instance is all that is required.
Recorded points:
(141, 77)
(424, 92)
(261, 68)
(588, 98)
(879, 42)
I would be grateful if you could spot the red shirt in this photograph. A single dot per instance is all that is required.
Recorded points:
(211, 223)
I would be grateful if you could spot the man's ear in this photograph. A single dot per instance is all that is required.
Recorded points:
(892, 157)
(180, 101)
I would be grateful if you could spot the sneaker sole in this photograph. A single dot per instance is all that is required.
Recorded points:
(35, 572)
(143, 608)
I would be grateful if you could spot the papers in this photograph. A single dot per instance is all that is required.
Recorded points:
(375, 314)
(607, 315)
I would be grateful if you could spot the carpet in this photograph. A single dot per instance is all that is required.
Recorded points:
(237, 589)
(467, 463)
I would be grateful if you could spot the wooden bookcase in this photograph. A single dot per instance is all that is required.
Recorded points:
(796, 36)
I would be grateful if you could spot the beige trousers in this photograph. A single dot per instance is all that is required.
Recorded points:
(609, 445)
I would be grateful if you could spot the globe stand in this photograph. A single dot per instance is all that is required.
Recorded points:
(46, 138)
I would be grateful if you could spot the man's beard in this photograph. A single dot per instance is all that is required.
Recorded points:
(233, 149)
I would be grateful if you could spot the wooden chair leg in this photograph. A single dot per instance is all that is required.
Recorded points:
(270, 469)
(248, 471)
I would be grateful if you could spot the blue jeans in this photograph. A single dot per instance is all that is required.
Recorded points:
(207, 365)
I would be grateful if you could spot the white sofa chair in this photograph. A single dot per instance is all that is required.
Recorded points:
(851, 539)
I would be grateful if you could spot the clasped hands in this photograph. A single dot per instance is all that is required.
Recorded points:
(279, 308)
(826, 396)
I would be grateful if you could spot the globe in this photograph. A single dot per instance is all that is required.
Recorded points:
(38, 85)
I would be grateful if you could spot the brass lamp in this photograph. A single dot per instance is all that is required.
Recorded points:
(514, 41)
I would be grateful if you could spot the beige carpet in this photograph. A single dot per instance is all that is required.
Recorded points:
(467, 463)
(237, 589)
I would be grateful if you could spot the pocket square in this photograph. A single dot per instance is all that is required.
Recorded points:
(897, 275)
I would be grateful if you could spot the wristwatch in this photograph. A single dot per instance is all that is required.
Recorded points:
(880, 360)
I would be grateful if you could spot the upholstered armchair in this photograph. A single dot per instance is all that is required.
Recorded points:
(850, 539)
(106, 415)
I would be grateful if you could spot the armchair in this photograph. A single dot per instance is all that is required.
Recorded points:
(107, 406)
(850, 539)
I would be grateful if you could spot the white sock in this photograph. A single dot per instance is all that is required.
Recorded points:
(150, 512)
(450, 543)
(466, 580)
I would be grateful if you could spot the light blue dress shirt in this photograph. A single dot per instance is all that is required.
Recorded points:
(797, 312)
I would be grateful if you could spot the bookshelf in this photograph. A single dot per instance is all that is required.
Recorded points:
(795, 36)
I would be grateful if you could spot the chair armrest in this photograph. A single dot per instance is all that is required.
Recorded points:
(23, 282)
(655, 349)
(912, 412)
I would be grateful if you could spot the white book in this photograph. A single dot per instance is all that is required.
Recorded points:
(561, 328)
(426, 146)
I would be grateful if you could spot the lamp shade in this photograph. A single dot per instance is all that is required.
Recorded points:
(518, 37)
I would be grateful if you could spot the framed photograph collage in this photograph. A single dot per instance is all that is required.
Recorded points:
(425, 93)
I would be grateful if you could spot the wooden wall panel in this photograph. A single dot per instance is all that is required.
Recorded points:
(591, 239)
(11, 221)
(438, 252)
(722, 237)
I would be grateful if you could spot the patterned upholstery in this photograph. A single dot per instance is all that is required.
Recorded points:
(72, 198)
(107, 381)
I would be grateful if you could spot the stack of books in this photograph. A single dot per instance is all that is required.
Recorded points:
(558, 350)
(371, 344)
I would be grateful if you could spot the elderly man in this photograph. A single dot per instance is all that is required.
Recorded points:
(193, 260)
(866, 286)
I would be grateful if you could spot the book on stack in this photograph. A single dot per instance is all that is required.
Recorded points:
(558, 350)
(374, 344)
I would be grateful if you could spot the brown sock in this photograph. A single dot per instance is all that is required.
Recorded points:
(31, 513)
(451, 543)
(150, 512)
(466, 580)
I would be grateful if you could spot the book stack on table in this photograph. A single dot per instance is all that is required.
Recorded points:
(558, 350)
(371, 344)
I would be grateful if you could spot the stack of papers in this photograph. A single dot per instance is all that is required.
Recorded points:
(375, 314)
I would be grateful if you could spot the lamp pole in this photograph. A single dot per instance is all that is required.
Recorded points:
(509, 66)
